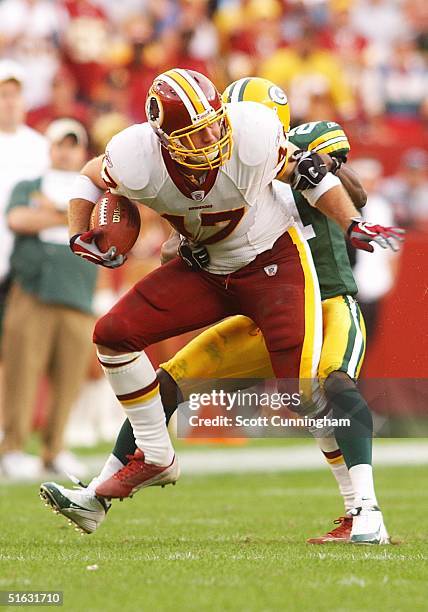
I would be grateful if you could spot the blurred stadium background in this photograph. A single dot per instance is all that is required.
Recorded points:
(362, 63)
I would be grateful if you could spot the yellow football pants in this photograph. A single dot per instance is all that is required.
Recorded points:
(235, 348)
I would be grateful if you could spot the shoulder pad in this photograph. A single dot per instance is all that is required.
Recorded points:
(321, 137)
(130, 155)
(256, 131)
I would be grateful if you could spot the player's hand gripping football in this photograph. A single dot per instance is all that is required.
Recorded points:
(84, 245)
(195, 256)
(361, 234)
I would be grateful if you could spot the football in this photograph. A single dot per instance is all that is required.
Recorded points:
(118, 220)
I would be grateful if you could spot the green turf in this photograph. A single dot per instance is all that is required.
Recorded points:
(222, 543)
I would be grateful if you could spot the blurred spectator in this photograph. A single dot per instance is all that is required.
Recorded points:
(250, 32)
(104, 128)
(29, 33)
(86, 44)
(374, 272)
(408, 189)
(201, 35)
(118, 12)
(63, 103)
(23, 152)
(340, 36)
(312, 77)
(398, 85)
(163, 14)
(48, 321)
(416, 12)
(382, 22)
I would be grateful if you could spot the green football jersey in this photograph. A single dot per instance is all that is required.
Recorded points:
(325, 237)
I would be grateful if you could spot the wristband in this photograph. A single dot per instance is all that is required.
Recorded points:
(85, 189)
(314, 194)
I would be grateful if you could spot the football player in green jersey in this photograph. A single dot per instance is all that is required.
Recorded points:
(217, 352)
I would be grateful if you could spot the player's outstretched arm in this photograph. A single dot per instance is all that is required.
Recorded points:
(336, 204)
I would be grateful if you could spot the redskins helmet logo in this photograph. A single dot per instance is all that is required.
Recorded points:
(154, 110)
(276, 94)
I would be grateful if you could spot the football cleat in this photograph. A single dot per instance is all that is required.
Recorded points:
(368, 526)
(339, 535)
(80, 506)
(138, 474)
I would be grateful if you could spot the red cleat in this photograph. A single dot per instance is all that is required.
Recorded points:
(138, 474)
(339, 535)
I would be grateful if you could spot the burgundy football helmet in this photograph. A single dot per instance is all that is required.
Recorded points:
(181, 103)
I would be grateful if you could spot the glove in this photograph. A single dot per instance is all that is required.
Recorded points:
(361, 234)
(85, 246)
(196, 257)
(309, 171)
(337, 164)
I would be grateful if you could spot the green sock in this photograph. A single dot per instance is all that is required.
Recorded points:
(125, 443)
(354, 441)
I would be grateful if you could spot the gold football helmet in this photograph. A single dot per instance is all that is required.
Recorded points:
(256, 89)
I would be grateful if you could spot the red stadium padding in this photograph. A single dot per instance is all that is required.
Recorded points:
(400, 349)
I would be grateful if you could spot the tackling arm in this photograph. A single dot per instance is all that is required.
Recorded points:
(337, 205)
(353, 186)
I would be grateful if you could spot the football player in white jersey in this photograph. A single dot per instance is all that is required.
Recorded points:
(209, 172)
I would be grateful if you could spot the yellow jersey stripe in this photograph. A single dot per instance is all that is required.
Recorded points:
(334, 147)
(363, 352)
(322, 139)
(313, 336)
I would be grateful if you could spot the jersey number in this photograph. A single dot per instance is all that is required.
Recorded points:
(210, 219)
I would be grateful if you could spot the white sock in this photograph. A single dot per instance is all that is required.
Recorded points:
(133, 380)
(363, 485)
(110, 467)
(341, 474)
(338, 469)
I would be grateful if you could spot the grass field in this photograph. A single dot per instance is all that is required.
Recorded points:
(222, 543)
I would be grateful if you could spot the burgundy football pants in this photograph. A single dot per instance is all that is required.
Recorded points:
(174, 299)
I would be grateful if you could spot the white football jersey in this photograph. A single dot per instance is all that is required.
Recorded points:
(240, 215)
